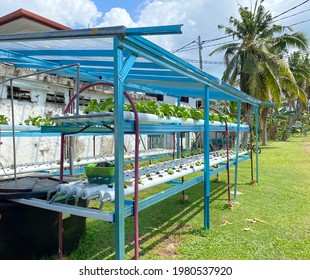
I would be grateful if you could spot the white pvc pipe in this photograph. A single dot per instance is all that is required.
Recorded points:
(91, 191)
(20, 128)
(161, 178)
(144, 118)
(150, 176)
(28, 168)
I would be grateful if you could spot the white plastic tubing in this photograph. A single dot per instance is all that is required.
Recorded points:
(149, 177)
(143, 119)
(37, 167)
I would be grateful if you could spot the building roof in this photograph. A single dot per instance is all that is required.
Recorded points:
(21, 21)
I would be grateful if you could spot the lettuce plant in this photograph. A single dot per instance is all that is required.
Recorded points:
(38, 121)
(4, 119)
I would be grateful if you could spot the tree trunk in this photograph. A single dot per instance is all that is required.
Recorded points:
(263, 121)
(249, 113)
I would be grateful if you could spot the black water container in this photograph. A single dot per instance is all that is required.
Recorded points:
(28, 232)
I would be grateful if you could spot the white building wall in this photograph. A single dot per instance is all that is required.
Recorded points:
(43, 149)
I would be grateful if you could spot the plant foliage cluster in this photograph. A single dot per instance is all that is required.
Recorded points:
(160, 109)
(38, 121)
(4, 119)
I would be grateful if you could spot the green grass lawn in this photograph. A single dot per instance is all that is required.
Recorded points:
(271, 220)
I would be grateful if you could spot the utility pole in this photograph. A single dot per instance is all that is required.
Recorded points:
(199, 50)
(199, 136)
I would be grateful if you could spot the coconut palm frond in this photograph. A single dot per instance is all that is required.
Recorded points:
(273, 83)
(230, 47)
(231, 66)
(257, 62)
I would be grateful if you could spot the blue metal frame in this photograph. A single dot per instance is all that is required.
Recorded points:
(256, 141)
(206, 142)
(237, 151)
(124, 65)
(119, 154)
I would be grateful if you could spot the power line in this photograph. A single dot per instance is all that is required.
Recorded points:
(218, 44)
(293, 15)
(200, 44)
(300, 22)
(218, 38)
(187, 48)
(208, 46)
(204, 61)
(184, 46)
(290, 9)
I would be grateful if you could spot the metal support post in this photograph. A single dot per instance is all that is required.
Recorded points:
(13, 130)
(119, 154)
(237, 151)
(256, 140)
(206, 140)
(178, 134)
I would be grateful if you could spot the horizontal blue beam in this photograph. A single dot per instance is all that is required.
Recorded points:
(129, 127)
(70, 53)
(155, 30)
(101, 32)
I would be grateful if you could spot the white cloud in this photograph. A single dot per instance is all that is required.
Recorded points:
(199, 17)
(73, 13)
(117, 16)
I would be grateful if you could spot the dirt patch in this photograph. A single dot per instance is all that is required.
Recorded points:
(307, 147)
(169, 246)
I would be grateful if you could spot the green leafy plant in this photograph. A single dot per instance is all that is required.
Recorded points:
(105, 164)
(150, 107)
(168, 110)
(141, 107)
(154, 108)
(127, 107)
(107, 105)
(4, 119)
(38, 121)
(93, 106)
(159, 109)
(170, 171)
(197, 114)
(183, 112)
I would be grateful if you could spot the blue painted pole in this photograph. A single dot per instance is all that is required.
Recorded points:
(119, 154)
(256, 140)
(237, 151)
(178, 134)
(206, 144)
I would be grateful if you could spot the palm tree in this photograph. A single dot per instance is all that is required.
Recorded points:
(299, 64)
(255, 61)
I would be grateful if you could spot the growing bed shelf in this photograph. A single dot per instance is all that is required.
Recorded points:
(54, 165)
(149, 176)
(144, 118)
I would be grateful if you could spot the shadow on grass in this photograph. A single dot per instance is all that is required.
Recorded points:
(156, 224)
(269, 147)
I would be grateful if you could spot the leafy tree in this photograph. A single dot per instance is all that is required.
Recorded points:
(300, 67)
(255, 61)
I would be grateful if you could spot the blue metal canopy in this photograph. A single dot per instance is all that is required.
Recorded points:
(122, 58)
(147, 67)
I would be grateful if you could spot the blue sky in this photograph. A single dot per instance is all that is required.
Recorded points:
(198, 17)
(130, 5)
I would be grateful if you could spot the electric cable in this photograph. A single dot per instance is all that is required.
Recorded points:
(293, 8)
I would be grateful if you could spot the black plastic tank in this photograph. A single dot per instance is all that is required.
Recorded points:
(28, 232)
